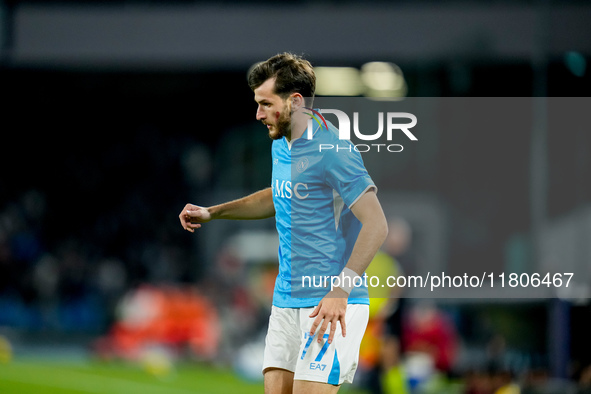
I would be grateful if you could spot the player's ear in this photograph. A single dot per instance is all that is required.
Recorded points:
(297, 102)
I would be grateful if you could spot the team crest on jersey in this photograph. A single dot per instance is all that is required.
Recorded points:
(302, 164)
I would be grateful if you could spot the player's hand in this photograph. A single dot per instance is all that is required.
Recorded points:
(192, 216)
(330, 310)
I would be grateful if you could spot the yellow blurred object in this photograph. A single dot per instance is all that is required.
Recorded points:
(382, 266)
(394, 381)
(157, 362)
(5, 351)
(371, 344)
(381, 299)
(509, 389)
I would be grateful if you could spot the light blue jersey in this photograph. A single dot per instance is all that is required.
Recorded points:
(313, 191)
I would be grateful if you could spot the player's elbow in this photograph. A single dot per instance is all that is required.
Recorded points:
(369, 212)
(379, 227)
(382, 228)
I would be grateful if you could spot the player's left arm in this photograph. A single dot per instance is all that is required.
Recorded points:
(333, 306)
(373, 231)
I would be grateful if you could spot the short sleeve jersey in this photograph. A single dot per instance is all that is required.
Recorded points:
(314, 187)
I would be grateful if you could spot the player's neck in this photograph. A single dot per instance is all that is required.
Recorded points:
(298, 127)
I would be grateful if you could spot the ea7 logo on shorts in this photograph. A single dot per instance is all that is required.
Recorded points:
(317, 367)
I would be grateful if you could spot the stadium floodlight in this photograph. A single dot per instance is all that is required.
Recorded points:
(338, 81)
(383, 80)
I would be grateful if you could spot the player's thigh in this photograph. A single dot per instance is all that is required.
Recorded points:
(278, 381)
(282, 343)
(307, 387)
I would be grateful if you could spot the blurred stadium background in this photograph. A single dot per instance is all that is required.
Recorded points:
(116, 113)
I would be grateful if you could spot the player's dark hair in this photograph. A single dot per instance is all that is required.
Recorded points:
(292, 73)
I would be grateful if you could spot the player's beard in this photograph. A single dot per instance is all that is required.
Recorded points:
(282, 126)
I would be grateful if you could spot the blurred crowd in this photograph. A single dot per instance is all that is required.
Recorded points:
(98, 233)
(77, 233)
(65, 287)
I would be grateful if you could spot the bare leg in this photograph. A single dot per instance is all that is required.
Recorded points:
(278, 381)
(307, 387)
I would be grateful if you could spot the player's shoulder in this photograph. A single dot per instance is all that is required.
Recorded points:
(276, 144)
(279, 146)
(331, 135)
(333, 147)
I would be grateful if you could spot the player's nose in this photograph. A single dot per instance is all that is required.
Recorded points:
(260, 113)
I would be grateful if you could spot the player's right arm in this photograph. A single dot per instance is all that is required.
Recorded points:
(258, 205)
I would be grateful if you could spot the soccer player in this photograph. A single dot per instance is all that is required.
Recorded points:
(330, 225)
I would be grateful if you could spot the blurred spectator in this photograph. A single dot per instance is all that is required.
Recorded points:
(46, 279)
(175, 317)
(585, 381)
(397, 245)
(111, 277)
(477, 382)
(380, 353)
(197, 166)
(242, 295)
(111, 282)
(6, 261)
(428, 332)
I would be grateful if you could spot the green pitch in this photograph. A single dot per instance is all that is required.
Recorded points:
(46, 377)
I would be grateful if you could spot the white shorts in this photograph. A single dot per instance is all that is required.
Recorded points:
(289, 346)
